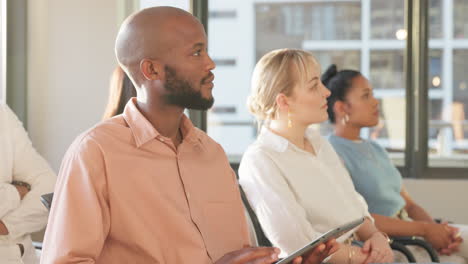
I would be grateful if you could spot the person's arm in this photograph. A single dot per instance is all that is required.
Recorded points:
(396, 227)
(283, 219)
(376, 243)
(10, 199)
(79, 219)
(9, 195)
(415, 211)
(31, 168)
(441, 236)
(22, 191)
(437, 235)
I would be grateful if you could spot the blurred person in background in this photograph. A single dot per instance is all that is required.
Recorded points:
(24, 177)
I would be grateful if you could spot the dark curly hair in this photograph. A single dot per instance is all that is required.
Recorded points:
(339, 84)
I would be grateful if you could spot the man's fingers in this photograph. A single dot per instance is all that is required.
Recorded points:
(366, 246)
(321, 248)
(297, 260)
(332, 246)
(257, 255)
(373, 257)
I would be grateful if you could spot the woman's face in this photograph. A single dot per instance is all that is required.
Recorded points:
(308, 102)
(361, 105)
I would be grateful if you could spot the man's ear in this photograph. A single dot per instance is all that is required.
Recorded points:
(151, 70)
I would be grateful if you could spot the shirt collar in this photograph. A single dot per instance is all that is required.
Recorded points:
(271, 140)
(280, 144)
(143, 131)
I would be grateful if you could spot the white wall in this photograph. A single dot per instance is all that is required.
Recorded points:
(70, 59)
(442, 198)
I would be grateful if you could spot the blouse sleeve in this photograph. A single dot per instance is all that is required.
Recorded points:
(282, 218)
(29, 167)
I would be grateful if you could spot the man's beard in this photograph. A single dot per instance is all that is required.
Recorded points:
(181, 93)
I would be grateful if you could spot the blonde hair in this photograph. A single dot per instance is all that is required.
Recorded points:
(278, 71)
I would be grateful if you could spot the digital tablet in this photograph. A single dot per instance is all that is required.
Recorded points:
(334, 233)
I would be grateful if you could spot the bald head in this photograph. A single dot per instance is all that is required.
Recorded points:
(151, 34)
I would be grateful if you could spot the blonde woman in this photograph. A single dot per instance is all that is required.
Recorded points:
(293, 178)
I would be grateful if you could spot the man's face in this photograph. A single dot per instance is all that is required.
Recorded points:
(188, 76)
(182, 93)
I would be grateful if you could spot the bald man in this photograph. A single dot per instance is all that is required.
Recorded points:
(147, 186)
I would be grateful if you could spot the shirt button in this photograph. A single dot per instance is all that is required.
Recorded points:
(161, 139)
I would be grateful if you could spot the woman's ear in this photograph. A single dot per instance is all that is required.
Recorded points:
(282, 102)
(340, 108)
(151, 70)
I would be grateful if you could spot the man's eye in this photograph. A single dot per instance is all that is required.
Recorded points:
(197, 53)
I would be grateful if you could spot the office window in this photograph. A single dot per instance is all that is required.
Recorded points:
(183, 4)
(460, 101)
(342, 58)
(386, 70)
(387, 22)
(333, 32)
(386, 18)
(386, 76)
(460, 19)
(447, 82)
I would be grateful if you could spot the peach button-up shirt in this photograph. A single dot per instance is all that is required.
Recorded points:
(125, 194)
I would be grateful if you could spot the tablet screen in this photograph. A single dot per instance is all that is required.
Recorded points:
(334, 233)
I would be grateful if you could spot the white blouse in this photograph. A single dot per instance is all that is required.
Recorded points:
(298, 196)
(20, 161)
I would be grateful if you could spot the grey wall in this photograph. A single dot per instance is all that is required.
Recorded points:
(16, 82)
(70, 59)
(442, 198)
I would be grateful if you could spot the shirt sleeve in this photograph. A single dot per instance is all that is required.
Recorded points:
(364, 206)
(79, 220)
(29, 215)
(282, 218)
(10, 198)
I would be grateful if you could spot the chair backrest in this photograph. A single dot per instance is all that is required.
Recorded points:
(261, 238)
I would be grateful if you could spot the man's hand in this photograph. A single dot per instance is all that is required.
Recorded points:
(438, 235)
(320, 253)
(3, 229)
(267, 255)
(378, 249)
(21, 190)
(251, 255)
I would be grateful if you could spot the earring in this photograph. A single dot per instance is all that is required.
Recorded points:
(289, 119)
(345, 119)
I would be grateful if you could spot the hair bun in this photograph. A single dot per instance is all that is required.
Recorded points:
(329, 73)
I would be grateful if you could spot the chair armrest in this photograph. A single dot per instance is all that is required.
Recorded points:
(414, 241)
(404, 250)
